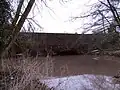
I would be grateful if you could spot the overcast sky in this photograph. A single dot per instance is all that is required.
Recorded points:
(56, 18)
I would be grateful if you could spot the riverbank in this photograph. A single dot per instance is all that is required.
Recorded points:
(24, 71)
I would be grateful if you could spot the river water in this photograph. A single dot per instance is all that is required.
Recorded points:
(85, 73)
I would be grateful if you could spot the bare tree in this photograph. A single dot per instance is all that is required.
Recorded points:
(17, 24)
(101, 15)
(15, 27)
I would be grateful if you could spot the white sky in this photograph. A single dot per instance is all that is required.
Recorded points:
(56, 19)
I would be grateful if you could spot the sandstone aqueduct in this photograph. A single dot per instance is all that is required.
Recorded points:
(58, 43)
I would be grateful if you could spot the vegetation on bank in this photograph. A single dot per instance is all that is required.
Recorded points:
(25, 74)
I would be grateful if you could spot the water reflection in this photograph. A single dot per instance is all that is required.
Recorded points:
(83, 82)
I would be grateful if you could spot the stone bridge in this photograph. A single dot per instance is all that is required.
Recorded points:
(57, 43)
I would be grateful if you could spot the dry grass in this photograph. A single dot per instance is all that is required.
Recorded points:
(26, 73)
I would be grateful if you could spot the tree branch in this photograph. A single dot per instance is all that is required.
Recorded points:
(19, 26)
(17, 13)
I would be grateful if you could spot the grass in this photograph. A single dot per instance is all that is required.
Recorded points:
(25, 73)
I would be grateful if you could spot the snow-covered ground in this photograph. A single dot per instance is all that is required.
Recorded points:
(83, 82)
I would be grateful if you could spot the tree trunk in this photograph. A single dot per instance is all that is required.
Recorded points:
(16, 29)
